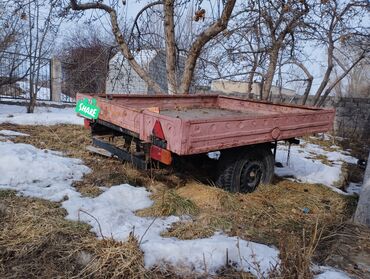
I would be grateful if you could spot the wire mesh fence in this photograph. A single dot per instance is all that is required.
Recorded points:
(21, 74)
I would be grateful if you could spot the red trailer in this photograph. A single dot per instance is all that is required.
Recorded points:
(166, 127)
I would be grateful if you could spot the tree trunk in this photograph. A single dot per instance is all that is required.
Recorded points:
(269, 76)
(128, 55)
(203, 38)
(307, 90)
(169, 29)
(32, 103)
(326, 78)
(362, 214)
(309, 80)
(250, 78)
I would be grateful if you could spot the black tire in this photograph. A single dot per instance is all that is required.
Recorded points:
(243, 170)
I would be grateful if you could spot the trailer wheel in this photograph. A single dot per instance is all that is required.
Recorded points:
(243, 171)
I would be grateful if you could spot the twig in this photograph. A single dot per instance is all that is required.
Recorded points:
(147, 229)
(92, 216)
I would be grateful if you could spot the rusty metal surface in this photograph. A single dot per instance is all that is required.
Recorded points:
(214, 113)
(201, 123)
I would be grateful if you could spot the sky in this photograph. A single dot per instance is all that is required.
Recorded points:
(127, 13)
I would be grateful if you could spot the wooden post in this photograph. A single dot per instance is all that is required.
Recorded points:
(362, 214)
(56, 80)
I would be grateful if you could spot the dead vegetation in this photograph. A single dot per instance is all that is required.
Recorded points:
(265, 215)
(302, 220)
(168, 202)
(72, 140)
(36, 241)
(358, 148)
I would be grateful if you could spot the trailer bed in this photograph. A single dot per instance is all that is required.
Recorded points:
(206, 113)
(194, 124)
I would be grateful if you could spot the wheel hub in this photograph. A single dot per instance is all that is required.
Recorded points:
(251, 176)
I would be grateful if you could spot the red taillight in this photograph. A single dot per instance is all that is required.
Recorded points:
(87, 123)
(162, 155)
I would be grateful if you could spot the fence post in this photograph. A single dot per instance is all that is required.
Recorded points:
(362, 214)
(56, 80)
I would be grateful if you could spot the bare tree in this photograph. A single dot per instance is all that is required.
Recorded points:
(210, 31)
(85, 56)
(280, 20)
(11, 20)
(333, 23)
(39, 31)
(169, 28)
(357, 82)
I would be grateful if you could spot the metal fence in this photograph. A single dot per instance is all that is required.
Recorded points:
(20, 73)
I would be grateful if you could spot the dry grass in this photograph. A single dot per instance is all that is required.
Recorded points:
(167, 202)
(358, 148)
(296, 254)
(350, 250)
(277, 214)
(264, 215)
(113, 259)
(72, 140)
(320, 140)
(36, 241)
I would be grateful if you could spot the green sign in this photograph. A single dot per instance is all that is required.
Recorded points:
(88, 108)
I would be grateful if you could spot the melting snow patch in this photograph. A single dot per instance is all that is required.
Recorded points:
(38, 173)
(354, 188)
(304, 166)
(330, 273)
(42, 116)
(12, 133)
(113, 215)
(45, 174)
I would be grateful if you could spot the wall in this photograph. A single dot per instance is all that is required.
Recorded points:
(352, 117)
(122, 78)
(228, 86)
(157, 71)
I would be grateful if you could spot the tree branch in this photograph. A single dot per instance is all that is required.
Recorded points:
(343, 75)
(126, 52)
(203, 38)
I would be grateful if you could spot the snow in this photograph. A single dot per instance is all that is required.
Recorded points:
(43, 93)
(354, 188)
(304, 167)
(42, 116)
(210, 254)
(12, 133)
(23, 90)
(215, 155)
(46, 174)
(65, 101)
(114, 209)
(38, 173)
(330, 273)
